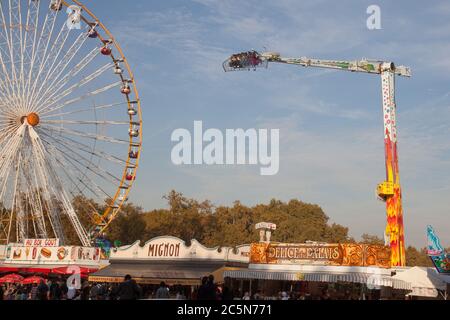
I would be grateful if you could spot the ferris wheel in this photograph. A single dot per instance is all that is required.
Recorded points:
(70, 121)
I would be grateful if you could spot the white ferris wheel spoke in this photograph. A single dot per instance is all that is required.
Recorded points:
(58, 96)
(49, 61)
(5, 53)
(89, 109)
(88, 149)
(61, 194)
(60, 84)
(70, 173)
(81, 122)
(52, 76)
(40, 50)
(82, 134)
(84, 176)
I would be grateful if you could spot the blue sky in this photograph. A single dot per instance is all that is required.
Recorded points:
(331, 138)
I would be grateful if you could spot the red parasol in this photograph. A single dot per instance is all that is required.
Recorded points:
(11, 278)
(33, 280)
(84, 272)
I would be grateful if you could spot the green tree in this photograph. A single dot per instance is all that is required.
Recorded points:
(129, 226)
(417, 258)
(372, 240)
(189, 219)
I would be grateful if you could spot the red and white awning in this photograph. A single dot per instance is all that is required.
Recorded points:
(48, 269)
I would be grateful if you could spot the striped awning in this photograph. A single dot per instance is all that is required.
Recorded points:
(263, 275)
(401, 285)
(322, 277)
(369, 279)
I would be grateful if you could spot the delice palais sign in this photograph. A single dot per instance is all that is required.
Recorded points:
(321, 254)
(325, 253)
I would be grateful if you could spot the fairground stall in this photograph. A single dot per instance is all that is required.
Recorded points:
(336, 271)
(317, 271)
(46, 257)
(171, 260)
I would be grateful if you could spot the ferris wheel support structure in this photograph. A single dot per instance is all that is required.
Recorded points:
(390, 190)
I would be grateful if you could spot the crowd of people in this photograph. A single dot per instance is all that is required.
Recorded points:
(129, 289)
(55, 289)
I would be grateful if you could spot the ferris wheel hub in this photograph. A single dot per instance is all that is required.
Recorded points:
(32, 119)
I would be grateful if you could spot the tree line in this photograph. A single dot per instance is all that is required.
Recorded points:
(187, 219)
(214, 226)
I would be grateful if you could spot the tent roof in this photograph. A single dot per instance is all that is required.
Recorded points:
(424, 281)
(442, 277)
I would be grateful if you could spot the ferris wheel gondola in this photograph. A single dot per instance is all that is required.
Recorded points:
(70, 121)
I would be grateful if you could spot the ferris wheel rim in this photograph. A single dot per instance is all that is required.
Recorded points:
(132, 145)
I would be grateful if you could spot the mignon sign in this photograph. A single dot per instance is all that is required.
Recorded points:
(164, 250)
(171, 248)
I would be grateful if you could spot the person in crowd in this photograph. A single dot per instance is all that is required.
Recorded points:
(237, 295)
(17, 294)
(93, 293)
(211, 289)
(347, 295)
(257, 296)
(64, 289)
(71, 293)
(180, 294)
(227, 295)
(129, 290)
(246, 296)
(23, 296)
(101, 292)
(55, 291)
(325, 295)
(308, 295)
(85, 290)
(34, 292)
(163, 292)
(284, 296)
(42, 291)
(202, 291)
(113, 292)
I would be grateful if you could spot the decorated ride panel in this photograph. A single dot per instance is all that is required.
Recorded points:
(321, 254)
(436, 252)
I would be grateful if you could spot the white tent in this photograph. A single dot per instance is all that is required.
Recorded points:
(425, 282)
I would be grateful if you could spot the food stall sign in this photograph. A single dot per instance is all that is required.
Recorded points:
(267, 226)
(320, 254)
(41, 243)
